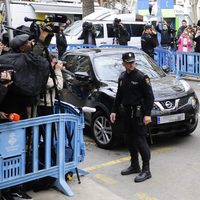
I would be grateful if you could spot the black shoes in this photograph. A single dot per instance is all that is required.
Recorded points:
(135, 168)
(131, 170)
(144, 175)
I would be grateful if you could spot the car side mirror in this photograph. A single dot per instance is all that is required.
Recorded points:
(82, 76)
(166, 68)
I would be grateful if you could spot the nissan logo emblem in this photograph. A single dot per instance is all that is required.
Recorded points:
(168, 104)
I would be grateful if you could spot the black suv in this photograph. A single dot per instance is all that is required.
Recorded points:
(91, 78)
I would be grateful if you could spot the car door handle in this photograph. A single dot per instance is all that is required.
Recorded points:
(103, 42)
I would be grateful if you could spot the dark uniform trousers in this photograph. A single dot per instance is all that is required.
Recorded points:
(136, 137)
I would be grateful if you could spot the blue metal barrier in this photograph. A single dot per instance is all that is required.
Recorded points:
(13, 150)
(117, 46)
(164, 57)
(187, 63)
(180, 63)
(79, 46)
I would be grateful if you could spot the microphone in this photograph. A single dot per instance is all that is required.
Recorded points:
(26, 19)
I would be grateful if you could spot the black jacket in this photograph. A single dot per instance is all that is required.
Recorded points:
(197, 46)
(134, 89)
(3, 91)
(122, 34)
(148, 43)
(86, 34)
(180, 31)
(165, 36)
(61, 41)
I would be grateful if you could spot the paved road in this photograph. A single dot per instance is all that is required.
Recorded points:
(175, 168)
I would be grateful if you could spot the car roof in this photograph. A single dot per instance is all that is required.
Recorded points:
(94, 52)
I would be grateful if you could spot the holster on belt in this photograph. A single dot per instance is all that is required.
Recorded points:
(137, 113)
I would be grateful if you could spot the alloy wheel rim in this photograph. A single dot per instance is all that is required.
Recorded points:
(102, 130)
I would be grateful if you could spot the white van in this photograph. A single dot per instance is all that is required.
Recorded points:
(104, 32)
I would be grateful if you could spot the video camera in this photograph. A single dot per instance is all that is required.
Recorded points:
(87, 26)
(49, 24)
(116, 22)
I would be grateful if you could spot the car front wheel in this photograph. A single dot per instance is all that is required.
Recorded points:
(103, 131)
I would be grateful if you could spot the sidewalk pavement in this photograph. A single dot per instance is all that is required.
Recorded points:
(87, 190)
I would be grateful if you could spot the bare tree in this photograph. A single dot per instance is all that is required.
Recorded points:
(194, 7)
(88, 7)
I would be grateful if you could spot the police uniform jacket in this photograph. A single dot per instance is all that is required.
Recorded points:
(134, 89)
(148, 43)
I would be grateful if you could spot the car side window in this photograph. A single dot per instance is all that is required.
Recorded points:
(83, 64)
(70, 63)
(99, 30)
(78, 63)
(136, 30)
(110, 31)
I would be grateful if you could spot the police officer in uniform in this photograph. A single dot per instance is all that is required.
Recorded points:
(149, 40)
(136, 95)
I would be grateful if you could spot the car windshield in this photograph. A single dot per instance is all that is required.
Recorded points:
(108, 68)
(74, 29)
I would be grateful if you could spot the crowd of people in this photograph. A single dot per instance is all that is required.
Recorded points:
(29, 83)
(39, 78)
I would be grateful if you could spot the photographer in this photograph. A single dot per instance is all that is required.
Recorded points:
(121, 34)
(149, 40)
(165, 31)
(88, 34)
(61, 41)
(48, 97)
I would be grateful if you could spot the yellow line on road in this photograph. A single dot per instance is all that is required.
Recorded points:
(143, 196)
(107, 164)
(121, 160)
(162, 149)
(105, 179)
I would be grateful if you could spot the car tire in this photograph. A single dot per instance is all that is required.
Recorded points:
(102, 130)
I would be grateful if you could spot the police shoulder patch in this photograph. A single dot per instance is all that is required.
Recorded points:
(147, 80)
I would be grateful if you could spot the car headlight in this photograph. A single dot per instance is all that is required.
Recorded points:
(185, 85)
(193, 102)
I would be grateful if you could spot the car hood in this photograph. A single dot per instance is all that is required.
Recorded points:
(163, 88)
(169, 88)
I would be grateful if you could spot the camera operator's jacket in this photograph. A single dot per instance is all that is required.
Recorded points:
(48, 97)
(3, 91)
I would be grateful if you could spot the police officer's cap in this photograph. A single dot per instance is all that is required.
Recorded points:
(128, 57)
(18, 41)
(147, 26)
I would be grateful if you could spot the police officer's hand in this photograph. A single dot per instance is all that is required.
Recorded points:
(147, 120)
(113, 117)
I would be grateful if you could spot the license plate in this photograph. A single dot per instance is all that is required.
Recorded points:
(170, 118)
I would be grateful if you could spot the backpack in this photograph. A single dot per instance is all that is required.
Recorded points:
(31, 72)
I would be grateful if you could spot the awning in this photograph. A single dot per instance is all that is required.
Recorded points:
(168, 13)
(143, 12)
(59, 9)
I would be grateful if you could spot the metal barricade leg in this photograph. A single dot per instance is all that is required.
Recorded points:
(60, 182)
(63, 186)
